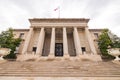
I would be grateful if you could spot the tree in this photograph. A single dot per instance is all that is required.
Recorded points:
(103, 42)
(115, 40)
(7, 40)
(116, 44)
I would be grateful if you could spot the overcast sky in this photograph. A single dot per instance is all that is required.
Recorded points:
(102, 13)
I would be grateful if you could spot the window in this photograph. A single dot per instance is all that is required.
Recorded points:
(96, 35)
(21, 35)
(83, 50)
(34, 49)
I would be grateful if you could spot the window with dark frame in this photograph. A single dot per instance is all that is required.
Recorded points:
(34, 49)
(83, 49)
(96, 35)
(21, 35)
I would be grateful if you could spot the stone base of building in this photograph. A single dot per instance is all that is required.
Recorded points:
(32, 57)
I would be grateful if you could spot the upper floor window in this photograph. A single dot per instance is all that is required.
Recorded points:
(96, 35)
(21, 35)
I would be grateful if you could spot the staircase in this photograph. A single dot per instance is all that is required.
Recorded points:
(60, 68)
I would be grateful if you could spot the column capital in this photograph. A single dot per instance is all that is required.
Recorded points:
(75, 28)
(53, 27)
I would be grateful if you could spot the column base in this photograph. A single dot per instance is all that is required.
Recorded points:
(51, 56)
(78, 55)
(38, 54)
(66, 56)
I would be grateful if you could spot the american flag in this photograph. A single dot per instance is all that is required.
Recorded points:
(56, 8)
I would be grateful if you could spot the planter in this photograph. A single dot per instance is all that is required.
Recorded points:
(3, 52)
(114, 52)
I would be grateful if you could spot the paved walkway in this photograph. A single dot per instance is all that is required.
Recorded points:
(59, 78)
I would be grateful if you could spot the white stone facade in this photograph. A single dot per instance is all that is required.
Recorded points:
(58, 37)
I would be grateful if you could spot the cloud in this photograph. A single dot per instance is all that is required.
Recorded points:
(103, 13)
(108, 17)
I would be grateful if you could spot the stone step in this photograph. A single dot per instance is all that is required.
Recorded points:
(67, 72)
(59, 68)
(79, 71)
(60, 75)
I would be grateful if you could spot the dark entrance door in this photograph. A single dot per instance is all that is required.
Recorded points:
(58, 49)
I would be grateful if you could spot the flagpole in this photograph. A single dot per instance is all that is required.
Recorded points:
(59, 12)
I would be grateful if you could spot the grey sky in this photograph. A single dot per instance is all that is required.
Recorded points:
(102, 13)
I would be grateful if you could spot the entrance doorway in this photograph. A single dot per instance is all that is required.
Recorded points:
(58, 49)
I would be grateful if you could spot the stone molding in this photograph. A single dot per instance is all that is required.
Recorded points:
(63, 20)
(58, 25)
(56, 22)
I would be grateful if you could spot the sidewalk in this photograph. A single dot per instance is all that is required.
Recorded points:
(59, 78)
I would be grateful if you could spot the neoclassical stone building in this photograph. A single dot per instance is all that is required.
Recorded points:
(58, 37)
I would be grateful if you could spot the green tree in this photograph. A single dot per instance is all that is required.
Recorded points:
(103, 42)
(115, 40)
(7, 40)
(116, 44)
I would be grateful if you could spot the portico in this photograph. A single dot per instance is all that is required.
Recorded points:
(59, 38)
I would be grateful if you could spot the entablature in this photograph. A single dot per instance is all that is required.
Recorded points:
(58, 25)
(58, 22)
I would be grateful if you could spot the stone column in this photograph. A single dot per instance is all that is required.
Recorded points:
(65, 43)
(77, 42)
(52, 43)
(40, 42)
(27, 41)
(91, 43)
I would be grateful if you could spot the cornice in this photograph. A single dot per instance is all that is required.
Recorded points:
(42, 20)
(20, 29)
(96, 29)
